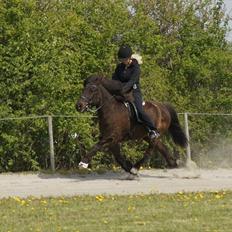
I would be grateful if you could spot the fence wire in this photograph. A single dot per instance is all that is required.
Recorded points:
(210, 137)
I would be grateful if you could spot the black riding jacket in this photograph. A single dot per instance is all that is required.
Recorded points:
(128, 75)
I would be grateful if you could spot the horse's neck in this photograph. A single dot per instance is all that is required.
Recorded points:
(112, 86)
(106, 99)
(107, 113)
(107, 105)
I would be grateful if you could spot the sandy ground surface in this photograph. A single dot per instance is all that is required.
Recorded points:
(149, 181)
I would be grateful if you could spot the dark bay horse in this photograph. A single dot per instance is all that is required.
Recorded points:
(116, 126)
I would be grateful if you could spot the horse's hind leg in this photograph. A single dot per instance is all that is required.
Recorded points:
(171, 162)
(124, 163)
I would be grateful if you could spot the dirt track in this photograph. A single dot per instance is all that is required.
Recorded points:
(150, 181)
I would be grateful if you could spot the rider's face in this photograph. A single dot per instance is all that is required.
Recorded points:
(126, 61)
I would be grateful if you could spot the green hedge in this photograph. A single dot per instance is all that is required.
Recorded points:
(47, 49)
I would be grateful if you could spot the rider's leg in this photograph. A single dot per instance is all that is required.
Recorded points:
(149, 124)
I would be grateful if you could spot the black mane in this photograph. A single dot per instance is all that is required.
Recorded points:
(114, 87)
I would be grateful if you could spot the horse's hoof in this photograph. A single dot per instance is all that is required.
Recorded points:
(83, 165)
(134, 171)
(131, 176)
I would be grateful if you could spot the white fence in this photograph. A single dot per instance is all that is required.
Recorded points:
(49, 119)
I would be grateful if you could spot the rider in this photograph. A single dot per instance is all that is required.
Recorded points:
(128, 72)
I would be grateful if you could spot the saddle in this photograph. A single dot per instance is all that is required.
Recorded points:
(133, 112)
(127, 99)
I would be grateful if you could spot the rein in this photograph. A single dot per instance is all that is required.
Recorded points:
(98, 108)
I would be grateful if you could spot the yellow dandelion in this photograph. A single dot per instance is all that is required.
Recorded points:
(23, 202)
(218, 196)
(63, 201)
(43, 202)
(130, 208)
(17, 199)
(99, 198)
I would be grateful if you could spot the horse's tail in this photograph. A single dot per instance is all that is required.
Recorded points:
(175, 129)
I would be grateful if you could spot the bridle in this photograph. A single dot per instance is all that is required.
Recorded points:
(88, 101)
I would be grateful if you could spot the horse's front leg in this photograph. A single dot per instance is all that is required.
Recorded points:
(97, 147)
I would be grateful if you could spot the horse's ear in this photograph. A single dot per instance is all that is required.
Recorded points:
(101, 78)
(98, 79)
(85, 82)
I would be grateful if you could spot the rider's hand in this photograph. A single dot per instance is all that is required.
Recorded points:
(125, 89)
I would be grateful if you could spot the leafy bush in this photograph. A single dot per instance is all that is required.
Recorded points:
(47, 48)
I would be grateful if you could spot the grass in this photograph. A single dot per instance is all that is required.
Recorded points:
(192, 212)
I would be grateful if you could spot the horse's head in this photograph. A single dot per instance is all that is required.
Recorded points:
(90, 97)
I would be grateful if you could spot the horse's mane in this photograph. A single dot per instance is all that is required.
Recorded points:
(113, 87)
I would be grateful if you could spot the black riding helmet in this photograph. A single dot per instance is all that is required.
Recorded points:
(124, 52)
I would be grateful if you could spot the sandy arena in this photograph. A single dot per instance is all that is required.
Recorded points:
(150, 181)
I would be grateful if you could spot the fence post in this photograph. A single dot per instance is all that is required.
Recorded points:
(51, 143)
(188, 137)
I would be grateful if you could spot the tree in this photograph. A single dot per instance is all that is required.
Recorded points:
(47, 49)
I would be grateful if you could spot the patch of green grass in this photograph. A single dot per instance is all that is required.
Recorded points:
(192, 212)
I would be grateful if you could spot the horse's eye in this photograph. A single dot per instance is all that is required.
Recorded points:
(93, 88)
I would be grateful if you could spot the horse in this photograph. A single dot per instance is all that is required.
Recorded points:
(117, 126)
